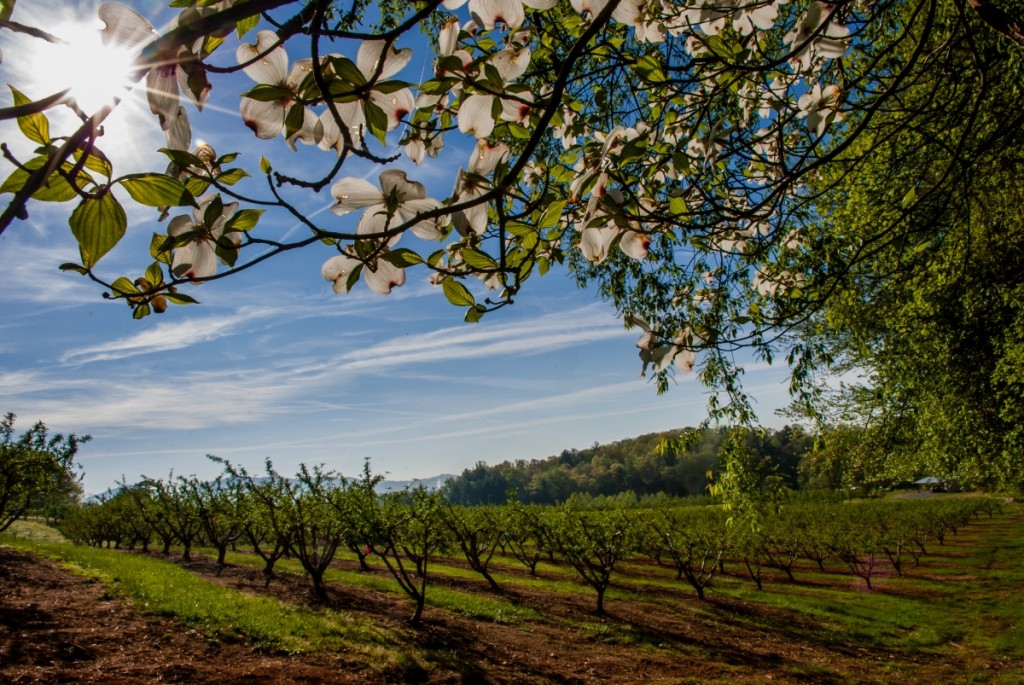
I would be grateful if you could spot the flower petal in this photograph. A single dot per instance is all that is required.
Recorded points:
(448, 38)
(266, 119)
(337, 269)
(125, 27)
(511, 63)
(310, 132)
(352, 193)
(386, 277)
(395, 181)
(369, 56)
(475, 115)
(162, 93)
(272, 67)
(595, 241)
(396, 105)
(635, 244)
(486, 157)
(491, 12)
(195, 260)
(352, 117)
(179, 133)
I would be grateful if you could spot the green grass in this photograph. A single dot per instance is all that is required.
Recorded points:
(157, 587)
(484, 608)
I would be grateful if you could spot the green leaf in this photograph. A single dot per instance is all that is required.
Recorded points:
(478, 259)
(182, 159)
(910, 198)
(123, 286)
(450, 63)
(551, 214)
(56, 189)
(243, 26)
(157, 190)
(677, 206)
(265, 165)
(267, 93)
(36, 127)
(197, 186)
(387, 87)
(159, 249)
(438, 86)
(179, 298)
(211, 43)
(518, 228)
(347, 71)
(402, 257)
(243, 220)
(376, 120)
(475, 313)
(154, 274)
(213, 210)
(230, 178)
(293, 121)
(98, 225)
(97, 161)
(457, 293)
(71, 266)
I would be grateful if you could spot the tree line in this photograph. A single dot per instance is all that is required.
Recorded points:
(645, 465)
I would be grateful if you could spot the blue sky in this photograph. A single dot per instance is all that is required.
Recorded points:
(273, 364)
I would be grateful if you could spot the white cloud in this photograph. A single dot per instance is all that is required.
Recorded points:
(169, 336)
(519, 338)
(31, 275)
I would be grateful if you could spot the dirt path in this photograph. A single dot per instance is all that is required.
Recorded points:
(56, 627)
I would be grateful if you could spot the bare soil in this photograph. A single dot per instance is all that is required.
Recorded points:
(57, 627)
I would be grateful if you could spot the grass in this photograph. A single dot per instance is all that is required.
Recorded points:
(157, 587)
(483, 608)
(963, 604)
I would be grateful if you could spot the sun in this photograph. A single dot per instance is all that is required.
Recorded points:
(98, 74)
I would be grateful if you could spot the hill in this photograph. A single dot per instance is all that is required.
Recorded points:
(637, 465)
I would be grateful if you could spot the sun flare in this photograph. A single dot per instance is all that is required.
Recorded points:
(97, 73)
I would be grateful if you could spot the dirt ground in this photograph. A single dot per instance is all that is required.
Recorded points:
(56, 627)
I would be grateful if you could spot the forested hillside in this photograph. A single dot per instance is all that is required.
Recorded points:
(645, 465)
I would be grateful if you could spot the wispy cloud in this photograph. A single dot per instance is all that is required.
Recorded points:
(169, 336)
(30, 274)
(132, 396)
(544, 334)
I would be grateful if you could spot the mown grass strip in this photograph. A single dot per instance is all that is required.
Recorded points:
(161, 588)
(492, 609)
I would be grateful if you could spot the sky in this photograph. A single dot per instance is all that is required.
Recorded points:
(273, 364)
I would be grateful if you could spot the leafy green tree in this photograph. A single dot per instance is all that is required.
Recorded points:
(174, 507)
(262, 505)
(593, 542)
(220, 513)
(921, 218)
(478, 531)
(150, 509)
(35, 468)
(316, 530)
(695, 539)
(404, 530)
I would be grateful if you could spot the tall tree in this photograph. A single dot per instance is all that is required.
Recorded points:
(35, 468)
(924, 218)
